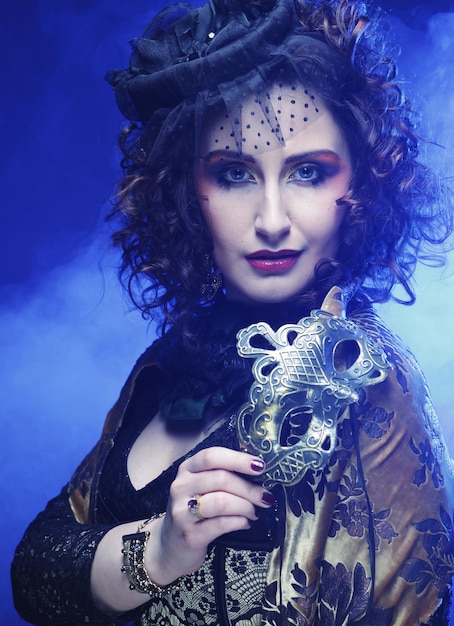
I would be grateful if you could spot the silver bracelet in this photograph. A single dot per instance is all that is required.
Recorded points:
(133, 563)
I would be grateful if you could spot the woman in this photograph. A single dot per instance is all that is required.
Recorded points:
(270, 170)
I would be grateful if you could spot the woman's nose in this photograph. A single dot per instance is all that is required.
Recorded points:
(272, 219)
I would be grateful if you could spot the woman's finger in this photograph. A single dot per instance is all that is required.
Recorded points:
(220, 504)
(224, 458)
(223, 482)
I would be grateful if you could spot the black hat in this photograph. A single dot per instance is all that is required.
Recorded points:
(189, 59)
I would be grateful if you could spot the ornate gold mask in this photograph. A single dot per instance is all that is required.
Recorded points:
(305, 375)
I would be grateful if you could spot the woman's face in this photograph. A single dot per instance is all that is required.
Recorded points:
(272, 210)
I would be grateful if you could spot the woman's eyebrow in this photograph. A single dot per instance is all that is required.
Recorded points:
(227, 154)
(326, 155)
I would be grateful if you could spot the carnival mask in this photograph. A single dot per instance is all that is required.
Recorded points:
(305, 375)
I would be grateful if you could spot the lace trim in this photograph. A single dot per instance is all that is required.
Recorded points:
(196, 604)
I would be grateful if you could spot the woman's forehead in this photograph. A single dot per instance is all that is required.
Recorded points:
(262, 121)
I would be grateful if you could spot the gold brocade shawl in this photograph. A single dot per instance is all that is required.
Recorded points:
(368, 540)
(383, 523)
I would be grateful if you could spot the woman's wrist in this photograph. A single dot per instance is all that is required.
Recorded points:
(134, 548)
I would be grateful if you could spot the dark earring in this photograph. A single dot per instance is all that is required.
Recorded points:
(213, 279)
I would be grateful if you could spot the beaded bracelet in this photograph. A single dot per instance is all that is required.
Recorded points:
(133, 563)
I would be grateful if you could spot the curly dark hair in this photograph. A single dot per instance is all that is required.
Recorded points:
(396, 212)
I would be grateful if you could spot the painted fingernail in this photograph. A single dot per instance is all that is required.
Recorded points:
(268, 498)
(257, 465)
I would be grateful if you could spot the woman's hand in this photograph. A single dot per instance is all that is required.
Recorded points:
(226, 502)
(178, 541)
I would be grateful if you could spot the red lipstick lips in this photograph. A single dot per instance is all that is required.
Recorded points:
(273, 262)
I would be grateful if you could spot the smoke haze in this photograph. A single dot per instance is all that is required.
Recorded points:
(67, 338)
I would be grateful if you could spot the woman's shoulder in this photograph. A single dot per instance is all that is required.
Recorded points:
(406, 379)
(368, 319)
(405, 396)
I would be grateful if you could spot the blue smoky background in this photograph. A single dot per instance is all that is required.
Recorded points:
(68, 338)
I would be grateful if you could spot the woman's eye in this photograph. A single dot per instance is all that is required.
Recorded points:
(236, 175)
(308, 173)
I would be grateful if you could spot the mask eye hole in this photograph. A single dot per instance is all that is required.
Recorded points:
(345, 354)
